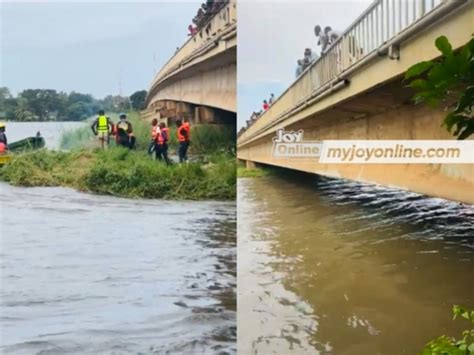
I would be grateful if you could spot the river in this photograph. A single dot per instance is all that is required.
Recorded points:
(86, 274)
(51, 131)
(336, 267)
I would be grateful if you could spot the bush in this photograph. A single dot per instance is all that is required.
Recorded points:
(121, 172)
(445, 345)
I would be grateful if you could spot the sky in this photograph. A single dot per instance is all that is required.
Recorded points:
(109, 47)
(272, 36)
(99, 48)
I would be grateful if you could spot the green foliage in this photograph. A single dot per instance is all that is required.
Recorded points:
(42, 103)
(138, 99)
(50, 105)
(445, 345)
(243, 172)
(448, 79)
(78, 138)
(208, 139)
(121, 172)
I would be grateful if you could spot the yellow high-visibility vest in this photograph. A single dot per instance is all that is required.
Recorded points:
(102, 124)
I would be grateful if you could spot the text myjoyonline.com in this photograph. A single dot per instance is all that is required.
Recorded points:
(379, 151)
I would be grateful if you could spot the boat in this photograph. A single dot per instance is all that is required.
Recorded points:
(5, 158)
(30, 143)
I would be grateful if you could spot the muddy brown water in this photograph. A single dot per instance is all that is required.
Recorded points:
(85, 274)
(336, 267)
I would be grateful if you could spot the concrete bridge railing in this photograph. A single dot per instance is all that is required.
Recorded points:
(223, 24)
(376, 32)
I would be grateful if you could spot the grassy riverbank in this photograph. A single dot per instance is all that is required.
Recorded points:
(243, 172)
(133, 174)
(206, 139)
(124, 173)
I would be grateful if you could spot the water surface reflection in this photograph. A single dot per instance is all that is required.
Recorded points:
(348, 268)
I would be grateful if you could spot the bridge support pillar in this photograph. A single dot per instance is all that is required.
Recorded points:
(203, 114)
(250, 164)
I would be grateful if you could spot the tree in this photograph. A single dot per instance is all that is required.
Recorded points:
(4, 95)
(78, 111)
(138, 99)
(21, 112)
(7, 103)
(449, 79)
(74, 97)
(42, 103)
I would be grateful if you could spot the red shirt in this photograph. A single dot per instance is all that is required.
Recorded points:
(265, 106)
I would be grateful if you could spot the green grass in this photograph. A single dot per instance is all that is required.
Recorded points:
(83, 137)
(120, 172)
(125, 173)
(205, 139)
(77, 139)
(243, 172)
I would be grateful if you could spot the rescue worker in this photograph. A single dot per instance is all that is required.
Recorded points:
(187, 127)
(3, 139)
(155, 130)
(183, 140)
(124, 132)
(163, 138)
(102, 127)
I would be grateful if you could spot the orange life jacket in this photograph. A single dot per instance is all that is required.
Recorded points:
(165, 131)
(181, 136)
(187, 127)
(155, 132)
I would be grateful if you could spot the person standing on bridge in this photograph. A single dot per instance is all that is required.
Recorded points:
(299, 67)
(323, 39)
(102, 127)
(192, 30)
(331, 34)
(310, 55)
(265, 105)
(272, 99)
(183, 139)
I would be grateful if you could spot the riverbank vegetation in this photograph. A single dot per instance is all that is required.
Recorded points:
(448, 81)
(211, 173)
(244, 172)
(125, 173)
(445, 345)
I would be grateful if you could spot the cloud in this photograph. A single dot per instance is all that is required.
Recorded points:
(52, 24)
(89, 47)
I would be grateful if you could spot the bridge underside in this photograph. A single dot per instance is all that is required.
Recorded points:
(211, 83)
(373, 104)
(384, 112)
(168, 111)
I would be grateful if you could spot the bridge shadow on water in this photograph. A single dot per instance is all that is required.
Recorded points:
(383, 207)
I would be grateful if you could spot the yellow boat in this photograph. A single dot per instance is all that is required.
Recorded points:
(5, 158)
(31, 143)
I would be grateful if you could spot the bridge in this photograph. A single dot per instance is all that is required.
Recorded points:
(356, 91)
(199, 81)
